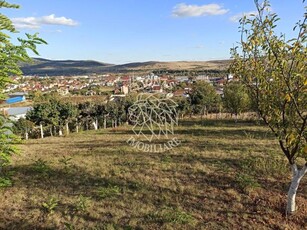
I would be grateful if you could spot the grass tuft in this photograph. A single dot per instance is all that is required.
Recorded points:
(246, 182)
(171, 215)
(5, 182)
(50, 205)
(41, 166)
(108, 192)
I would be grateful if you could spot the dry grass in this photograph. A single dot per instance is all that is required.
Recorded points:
(222, 176)
(180, 65)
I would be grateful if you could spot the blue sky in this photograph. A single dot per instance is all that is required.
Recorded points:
(122, 31)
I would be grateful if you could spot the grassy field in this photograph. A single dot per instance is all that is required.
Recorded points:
(224, 175)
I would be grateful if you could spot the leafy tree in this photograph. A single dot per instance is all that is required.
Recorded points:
(98, 112)
(67, 112)
(10, 56)
(87, 113)
(126, 103)
(22, 127)
(274, 71)
(50, 110)
(114, 110)
(236, 99)
(6, 139)
(184, 106)
(204, 97)
(45, 112)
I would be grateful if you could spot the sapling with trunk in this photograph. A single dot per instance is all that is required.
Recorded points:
(236, 99)
(274, 69)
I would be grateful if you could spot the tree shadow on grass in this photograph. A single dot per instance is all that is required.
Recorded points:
(78, 182)
(230, 132)
(20, 223)
(227, 133)
(219, 123)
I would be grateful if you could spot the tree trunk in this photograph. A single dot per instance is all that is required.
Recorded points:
(297, 176)
(77, 127)
(51, 134)
(95, 125)
(42, 131)
(67, 128)
(60, 132)
(105, 122)
(26, 135)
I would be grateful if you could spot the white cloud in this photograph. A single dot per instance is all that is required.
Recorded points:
(184, 10)
(237, 17)
(52, 20)
(37, 22)
(25, 23)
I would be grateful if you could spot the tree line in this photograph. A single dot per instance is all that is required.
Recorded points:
(56, 116)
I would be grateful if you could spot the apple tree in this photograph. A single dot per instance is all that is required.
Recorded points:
(274, 71)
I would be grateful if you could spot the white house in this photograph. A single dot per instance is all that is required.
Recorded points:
(15, 113)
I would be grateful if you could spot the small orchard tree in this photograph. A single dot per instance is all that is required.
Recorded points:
(44, 113)
(114, 110)
(127, 102)
(22, 127)
(204, 98)
(10, 55)
(274, 71)
(236, 99)
(184, 106)
(67, 112)
(86, 112)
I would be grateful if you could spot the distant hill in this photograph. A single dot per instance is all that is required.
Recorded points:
(42, 67)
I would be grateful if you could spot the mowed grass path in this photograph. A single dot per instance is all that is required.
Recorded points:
(224, 175)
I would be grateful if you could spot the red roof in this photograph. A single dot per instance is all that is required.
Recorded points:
(126, 78)
(156, 87)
